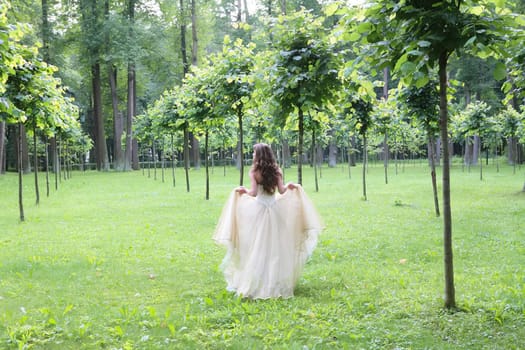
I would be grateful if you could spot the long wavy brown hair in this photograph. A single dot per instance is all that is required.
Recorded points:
(265, 167)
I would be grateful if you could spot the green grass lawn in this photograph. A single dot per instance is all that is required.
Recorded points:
(123, 261)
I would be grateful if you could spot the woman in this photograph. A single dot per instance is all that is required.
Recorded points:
(269, 230)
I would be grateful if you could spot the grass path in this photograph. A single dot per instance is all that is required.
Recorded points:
(123, 261)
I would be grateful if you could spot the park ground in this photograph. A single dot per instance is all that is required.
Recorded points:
(126, 261)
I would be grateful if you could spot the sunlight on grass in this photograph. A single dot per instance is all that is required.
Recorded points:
(119, 260)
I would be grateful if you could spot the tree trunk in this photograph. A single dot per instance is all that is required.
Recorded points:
(314, 155)
(154, 153)
(238, 18)
(118, 127)
(21, 131)
(100, 139)
(240, 156)
(134, 141)
(185, 67)
(450, 295)
(52, 152)
(195, 46)
(129, 117)
(511, 150)
(467, 152)
(173, 160)
(207, 165)
(286, 156)
(23, 151)
(195, 151)
(46, 147)
(332, 151)
(246, 12)
(386, 151)
(118, 156)
(56, 160)
(300, 147)
(131, 90)
(35, 162)
(135, 165)
(480, 162)
(432, 159)
(352, 157)
(365, 164)
(162, 159)
(2, 147)
(194, 53)
(187, 156)
(476, 146)
(46, 31)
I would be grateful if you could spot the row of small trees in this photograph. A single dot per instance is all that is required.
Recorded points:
(33, 101)
(304, 82)
(309, 73)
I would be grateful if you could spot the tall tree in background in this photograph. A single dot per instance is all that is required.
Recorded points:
(91, 27)
(131, 106)
(194, 51)
(194, 35)
(118, 127)
(185, 68)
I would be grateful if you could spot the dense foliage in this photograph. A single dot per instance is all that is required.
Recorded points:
(331, 48)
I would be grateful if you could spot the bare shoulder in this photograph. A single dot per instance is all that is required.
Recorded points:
(255, 175)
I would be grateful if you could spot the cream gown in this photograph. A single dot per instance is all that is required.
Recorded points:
(268, 238)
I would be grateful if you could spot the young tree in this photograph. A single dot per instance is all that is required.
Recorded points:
(199, 92)
(233, 86)
(413, 40)
(303, 71)
(422, 104)
(362, 109)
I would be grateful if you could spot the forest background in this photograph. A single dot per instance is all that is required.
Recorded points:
(124, 95)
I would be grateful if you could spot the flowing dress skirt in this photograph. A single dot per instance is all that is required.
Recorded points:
(268, 240)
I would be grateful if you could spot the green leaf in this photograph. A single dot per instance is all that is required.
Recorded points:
(408, 67)
(476, 10)
(364, 27)
(331, 9)
(506, 87)
(422, 81)
(500, 71)
(352, 36)
(401, 61)
(470, 41)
